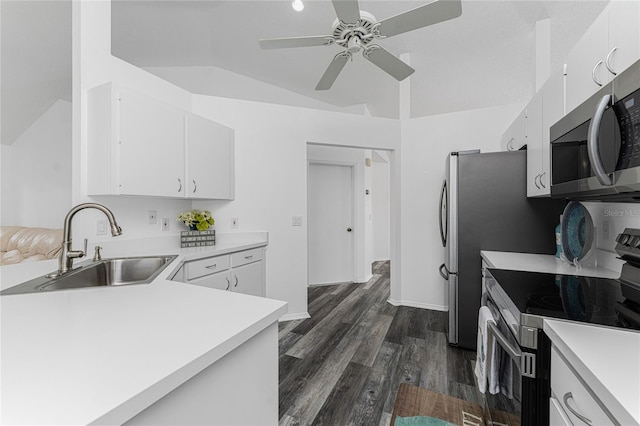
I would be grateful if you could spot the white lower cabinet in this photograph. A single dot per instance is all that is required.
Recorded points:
(242, 272)
(557, 416)
(572, 398)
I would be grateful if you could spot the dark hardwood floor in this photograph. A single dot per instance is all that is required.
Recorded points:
(343, 365)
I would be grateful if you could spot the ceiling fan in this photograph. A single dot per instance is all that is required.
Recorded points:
(355, 29)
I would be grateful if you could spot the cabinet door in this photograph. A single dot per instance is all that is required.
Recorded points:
(249, 279)
(210, 165)
(624, 34)
(557, 416)
(220, 281)
(534, 146)
(514, 137)
(151, 145)
(583, 58)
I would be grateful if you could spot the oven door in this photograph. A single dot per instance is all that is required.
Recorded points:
(504, 407)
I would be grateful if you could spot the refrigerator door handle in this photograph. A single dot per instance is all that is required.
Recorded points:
(444, 272)
(444, 213)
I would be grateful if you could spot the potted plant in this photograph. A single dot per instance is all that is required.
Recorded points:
(197, 220)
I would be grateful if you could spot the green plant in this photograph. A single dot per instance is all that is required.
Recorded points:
(201, 219)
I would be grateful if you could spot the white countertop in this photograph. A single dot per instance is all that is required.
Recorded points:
(101, 355)
(607, 359)
(608, 265)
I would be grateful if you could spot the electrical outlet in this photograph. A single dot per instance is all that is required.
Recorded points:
(152, 217)
(101, 227)
(296, 221)
(165, 223)
(234, 223)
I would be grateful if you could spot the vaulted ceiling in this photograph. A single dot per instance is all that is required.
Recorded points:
(481, 59)
(485, 57)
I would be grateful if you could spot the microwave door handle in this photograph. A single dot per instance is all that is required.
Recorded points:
(592, 142)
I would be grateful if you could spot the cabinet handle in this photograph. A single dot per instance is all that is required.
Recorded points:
(593, 73)
(542, 183)
(236, 281)
(567, 396)
(535, 181)
(228, 283)
(249, 257)
(608, 63)
(214, 266)
(179, 185)
(195, 187)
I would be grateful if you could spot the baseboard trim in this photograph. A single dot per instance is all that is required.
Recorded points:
(420, 305)
(293, 317)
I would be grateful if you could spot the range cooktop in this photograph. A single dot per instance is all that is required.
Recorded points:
(584, 299)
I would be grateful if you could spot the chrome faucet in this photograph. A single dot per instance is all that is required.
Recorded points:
(65, 263)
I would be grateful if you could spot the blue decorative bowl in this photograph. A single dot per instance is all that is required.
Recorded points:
(577, 231)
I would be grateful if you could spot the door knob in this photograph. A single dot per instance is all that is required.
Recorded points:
(348, 229)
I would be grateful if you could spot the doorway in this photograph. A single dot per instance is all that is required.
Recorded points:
(330, 216)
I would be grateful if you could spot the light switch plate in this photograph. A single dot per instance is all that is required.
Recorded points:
(165, 223)
(101, 227)
(296, 221)
(234, 223)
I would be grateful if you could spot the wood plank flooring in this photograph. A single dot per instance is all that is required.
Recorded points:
(343, 365)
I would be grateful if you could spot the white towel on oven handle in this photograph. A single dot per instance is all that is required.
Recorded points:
(483, 354)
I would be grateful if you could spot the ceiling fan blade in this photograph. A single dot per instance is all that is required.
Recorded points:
(333, 71)
(281, 43)
(387, 62)
(429, 14)
(348, 11)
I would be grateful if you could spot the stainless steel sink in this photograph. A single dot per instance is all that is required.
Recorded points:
(106, 272)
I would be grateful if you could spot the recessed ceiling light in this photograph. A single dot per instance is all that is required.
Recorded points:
(297, 5)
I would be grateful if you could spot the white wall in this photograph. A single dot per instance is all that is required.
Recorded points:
(271, 176)
(618, 217)
(36, 171)
(426, 142)
(381, 204)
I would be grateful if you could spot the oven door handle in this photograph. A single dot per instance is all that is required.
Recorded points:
(513, 352)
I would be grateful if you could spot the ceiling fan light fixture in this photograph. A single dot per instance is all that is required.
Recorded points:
(297, 5)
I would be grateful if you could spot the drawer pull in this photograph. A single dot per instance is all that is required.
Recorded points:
(228, 284)
(236, 281)
(249, 257)
(214, 266)
(567, 396)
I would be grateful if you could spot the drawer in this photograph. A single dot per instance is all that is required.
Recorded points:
(208, 266)
(573, 396)
(220, 281)
(247, 256)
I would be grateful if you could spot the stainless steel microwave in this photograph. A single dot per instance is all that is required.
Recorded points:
(595, 149)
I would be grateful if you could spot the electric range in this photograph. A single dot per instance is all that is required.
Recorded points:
(521, 300)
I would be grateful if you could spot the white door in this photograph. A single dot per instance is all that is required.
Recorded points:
(330, 203)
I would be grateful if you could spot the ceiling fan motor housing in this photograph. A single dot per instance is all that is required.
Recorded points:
(355, 36)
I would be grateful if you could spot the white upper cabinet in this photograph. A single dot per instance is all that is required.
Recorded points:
(210, 159)
(609, 46)
(138, 145)
(534, 146)
(150, 139)
(515, 137)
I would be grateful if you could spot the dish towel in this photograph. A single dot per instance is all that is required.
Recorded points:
(483, 355)
(501, 377)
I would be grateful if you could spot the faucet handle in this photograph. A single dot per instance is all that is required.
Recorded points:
(85, 247)
(97, 256)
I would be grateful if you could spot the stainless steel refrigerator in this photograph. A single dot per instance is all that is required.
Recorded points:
(484, 206)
